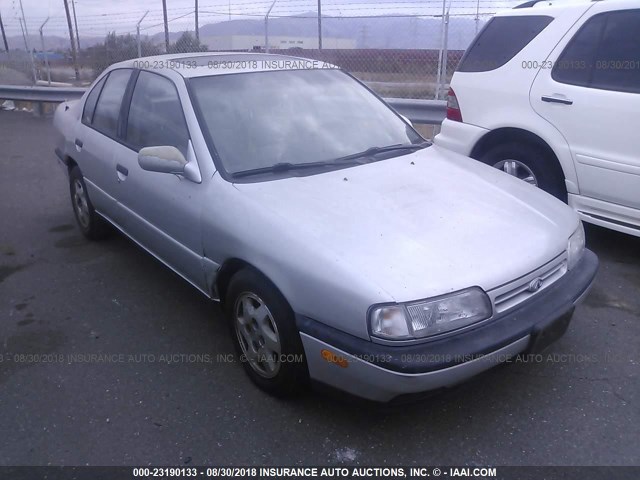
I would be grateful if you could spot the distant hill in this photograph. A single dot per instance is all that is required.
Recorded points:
(51, 42)
(376, 32)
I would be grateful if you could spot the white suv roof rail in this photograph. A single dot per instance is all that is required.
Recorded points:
(534, 2)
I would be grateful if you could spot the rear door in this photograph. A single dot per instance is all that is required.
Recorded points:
(592, 96)
(95, 140)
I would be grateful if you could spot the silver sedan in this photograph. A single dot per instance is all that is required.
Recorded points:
(346, 250)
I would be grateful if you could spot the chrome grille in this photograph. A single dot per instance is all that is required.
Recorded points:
(509, 295)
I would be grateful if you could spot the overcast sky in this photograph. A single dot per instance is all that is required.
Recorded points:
(97, 17)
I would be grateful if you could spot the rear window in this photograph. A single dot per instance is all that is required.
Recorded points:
(501, 40)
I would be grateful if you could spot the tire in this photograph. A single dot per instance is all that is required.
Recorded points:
(92, 225)
(257, 337)
(547, 173)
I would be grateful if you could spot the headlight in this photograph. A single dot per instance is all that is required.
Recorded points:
(430, 317)
(575, 248)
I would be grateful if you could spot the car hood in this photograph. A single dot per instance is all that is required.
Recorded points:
(422, 224)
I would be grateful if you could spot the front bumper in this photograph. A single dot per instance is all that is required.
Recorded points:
(381, 372)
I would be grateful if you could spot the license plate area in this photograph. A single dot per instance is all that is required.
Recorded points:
(547, 334)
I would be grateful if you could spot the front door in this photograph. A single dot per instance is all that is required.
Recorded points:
(161, 211)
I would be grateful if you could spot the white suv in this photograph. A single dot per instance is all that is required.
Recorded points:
(550, 92)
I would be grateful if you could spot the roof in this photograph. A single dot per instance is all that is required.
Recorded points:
(553, 8)
(221, 63)
(556, 8)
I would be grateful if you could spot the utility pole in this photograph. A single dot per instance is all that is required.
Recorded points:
(166, 26)
(46, 57)
(75, 22)
(477, 16)
(138, 34)
(74, 55)
(4, 35)
(266, 27)
(197, 29)
(320, 24)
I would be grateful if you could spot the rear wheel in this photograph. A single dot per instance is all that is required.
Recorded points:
(529, 163)
(265, 334)
(92, 225)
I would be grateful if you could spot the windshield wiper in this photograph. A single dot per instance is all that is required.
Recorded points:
(369, 152)
(287, 167)
(281, 167)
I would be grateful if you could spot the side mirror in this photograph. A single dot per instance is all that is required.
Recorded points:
(164, 159)
(406, 120)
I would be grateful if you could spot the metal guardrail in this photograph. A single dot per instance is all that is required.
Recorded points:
(40, 94)
(427, 112)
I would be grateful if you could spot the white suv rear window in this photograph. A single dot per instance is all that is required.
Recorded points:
(500, 40)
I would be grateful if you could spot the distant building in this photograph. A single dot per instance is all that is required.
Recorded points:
(51, 56)
(253, 42)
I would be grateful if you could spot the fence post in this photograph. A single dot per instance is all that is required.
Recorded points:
(138, 34)
(439, 75)
(445, 48)
(266, 27)
(46, 56)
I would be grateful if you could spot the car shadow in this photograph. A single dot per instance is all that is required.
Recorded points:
(611, 245)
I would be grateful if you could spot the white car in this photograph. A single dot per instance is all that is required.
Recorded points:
(550, 92)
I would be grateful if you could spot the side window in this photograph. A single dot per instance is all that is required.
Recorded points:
(576, 62)
(604, 54)
(500, 40)
(107, 111)
(617, 62)
(92, 99)
(155, 114)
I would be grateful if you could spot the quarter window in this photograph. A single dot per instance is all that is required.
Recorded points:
(501, 40)
(92, 99)
(107, 111)
(155, 115)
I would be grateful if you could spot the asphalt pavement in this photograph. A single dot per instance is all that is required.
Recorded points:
(108, 358)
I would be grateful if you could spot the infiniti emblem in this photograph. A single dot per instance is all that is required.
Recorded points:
(535, 285)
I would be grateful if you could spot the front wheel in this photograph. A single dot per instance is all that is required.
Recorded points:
(529, 163)
(265, 334)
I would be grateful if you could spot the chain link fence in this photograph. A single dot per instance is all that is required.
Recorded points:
(401, 55)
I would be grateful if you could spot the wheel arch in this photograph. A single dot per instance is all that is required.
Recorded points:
(226, 272)
(504, 135)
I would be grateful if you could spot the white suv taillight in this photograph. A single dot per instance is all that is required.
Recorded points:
(453, 107)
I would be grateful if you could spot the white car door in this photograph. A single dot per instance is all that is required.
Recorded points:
(592, 96)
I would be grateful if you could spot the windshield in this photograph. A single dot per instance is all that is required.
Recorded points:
(260, 120)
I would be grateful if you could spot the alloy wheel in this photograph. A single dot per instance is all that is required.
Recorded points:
(257, 334)
(518, 170)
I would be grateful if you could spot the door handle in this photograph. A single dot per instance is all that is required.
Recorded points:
(563, 101)
(122, 172)
(79, 144)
